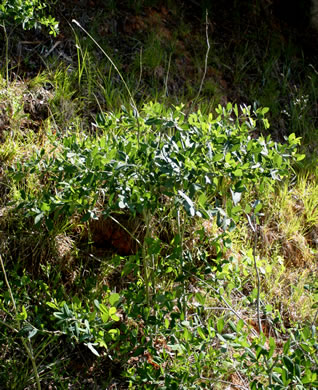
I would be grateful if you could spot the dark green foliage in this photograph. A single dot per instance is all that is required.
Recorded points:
(177, 310)
(28, 14)
(194, 161)
(198, 167)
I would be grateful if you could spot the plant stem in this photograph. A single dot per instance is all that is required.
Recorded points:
(181, 247)
(9, 326)
(27, 348)
(145, 255)
(315, 318)
(258, 279)
(140, 71)
(254, 227)
(8, 285)
(7, 53)
(126, 230)
(29, 351)
(194, 101)
(228, 306)
(119, 73)
(167, 77)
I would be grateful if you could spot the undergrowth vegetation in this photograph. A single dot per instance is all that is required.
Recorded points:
(148, 243)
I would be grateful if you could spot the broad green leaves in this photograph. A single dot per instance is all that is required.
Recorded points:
(92, 327)
(28, 13)
(195, 161)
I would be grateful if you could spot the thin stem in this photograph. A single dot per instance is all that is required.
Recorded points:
(167, 77)
(27, 348)
(206, 55)
(8, 286)
(315, 318)
(180, 233)
(126, 230)
(7, 53)
(29, 351)
(254, 227)
(117, 70)
(140, 71)
(258, 281)
(9, 326)
(220, 297)
(145, 256)
(205, 63)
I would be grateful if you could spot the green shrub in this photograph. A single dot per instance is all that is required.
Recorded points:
(29, 14)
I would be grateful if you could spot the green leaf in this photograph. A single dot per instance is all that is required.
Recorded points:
(258, 207)
(200, 298)
(250, 353)
(23, 315)
(248, 209)
(238, 173)
(308, 377)
(28, 330)
(220, 325)
(113, 332)
(286, 347)
(239, 325)
(38, 218)
(115, 317)
(268, 308)
(45, 207)
(187, 335)
(103, 308)
(277, 379)
(288, 364)
(235, 109)
(52, 305)
(104, 317)
(272, 346)
(264, 110)
(32, 333)
(202, 199)
(284, 377)
(112, 310)
(229, 336)
(153, 121)
(188, 204)
(77, 330)
(114, 298)
(300, 157)
(250, 145)
(305, 347)
(292, 137)
(278, 160)
(218, 157)
(201, 333)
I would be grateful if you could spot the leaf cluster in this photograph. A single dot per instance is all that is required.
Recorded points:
(195, 161)
(28, 14)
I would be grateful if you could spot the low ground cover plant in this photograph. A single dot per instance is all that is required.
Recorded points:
(170, 172)
(148, 244)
